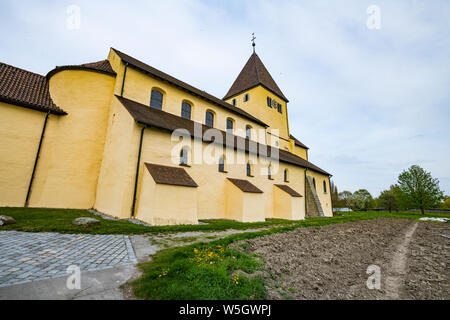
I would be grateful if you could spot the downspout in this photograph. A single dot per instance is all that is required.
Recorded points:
(36, 160)
(133, 206)
(123, 80)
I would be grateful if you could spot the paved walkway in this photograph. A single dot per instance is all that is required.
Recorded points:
(26, 257)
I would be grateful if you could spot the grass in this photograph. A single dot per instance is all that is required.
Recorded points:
(60, 220)
(186, 279)
(198, 271)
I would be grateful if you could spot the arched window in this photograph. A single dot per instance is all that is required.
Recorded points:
(249, 169)
(286, 175)
(221, 164)
(186, 110)
(209, 119)
(324, 187)
(314, 183)
(183, 157)
(156, 99)
(248, 132)
(246, 97)
(230, 124)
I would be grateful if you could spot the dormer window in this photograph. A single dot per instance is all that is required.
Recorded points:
(246, 97)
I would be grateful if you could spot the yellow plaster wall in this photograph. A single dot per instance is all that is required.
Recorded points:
(212, 183)
(286, 206)
(161, 204)
(324, 198)
(138, 87)
(257, 107)
(118, 169)
(20, 131)
(72, 150)
(298, 151)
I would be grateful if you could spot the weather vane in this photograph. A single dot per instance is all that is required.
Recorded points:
(253, 41)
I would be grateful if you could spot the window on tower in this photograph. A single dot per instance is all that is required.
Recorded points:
(246, 97)
(269, 102)
(280, 110)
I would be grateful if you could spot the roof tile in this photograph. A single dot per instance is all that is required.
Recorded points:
(26, 89)
(170, 175)
(245, 185)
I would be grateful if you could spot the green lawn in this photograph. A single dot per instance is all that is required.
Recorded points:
(60, 220)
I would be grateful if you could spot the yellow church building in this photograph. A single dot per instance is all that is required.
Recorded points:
(131, 141)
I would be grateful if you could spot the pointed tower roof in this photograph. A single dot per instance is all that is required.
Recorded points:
(254, 73)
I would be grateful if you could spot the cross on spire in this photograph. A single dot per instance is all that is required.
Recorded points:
(253, 41)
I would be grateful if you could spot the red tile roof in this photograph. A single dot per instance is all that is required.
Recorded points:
(170, 175)
(254, 73)
(26, 89)
(163, 120)
(102, 66)
(183, 85)
(245, 185)
(288, 190)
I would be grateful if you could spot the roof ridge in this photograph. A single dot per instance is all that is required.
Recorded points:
(22, 69)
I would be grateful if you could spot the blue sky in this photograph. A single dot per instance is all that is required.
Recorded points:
(368, 102)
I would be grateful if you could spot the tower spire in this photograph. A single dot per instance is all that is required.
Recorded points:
(253, 41)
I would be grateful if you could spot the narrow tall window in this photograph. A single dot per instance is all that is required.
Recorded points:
(248, 132)
(246, 97)
(234, 102)
(229, 125)
(156, 99)
(280, 110)
(269, 102)
(286, 175)
(324, 187)
(269, 173)
(249, 169)
(186, 110)
(209, 119)
(183, 157)
(221, 164)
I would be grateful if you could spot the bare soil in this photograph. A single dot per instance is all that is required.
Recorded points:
(331, 262)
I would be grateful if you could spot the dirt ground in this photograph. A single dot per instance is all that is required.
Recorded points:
(331, 262)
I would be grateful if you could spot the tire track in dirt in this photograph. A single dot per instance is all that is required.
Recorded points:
(398, 266)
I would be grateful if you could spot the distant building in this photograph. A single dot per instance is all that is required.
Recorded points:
(100, 135)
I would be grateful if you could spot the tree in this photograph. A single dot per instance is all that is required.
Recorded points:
(387, 200)
(419, 188)
(344, 198)
(361, 200)
(334, 195)
(446, 203)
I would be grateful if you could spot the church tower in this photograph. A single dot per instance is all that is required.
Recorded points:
(255, 91)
